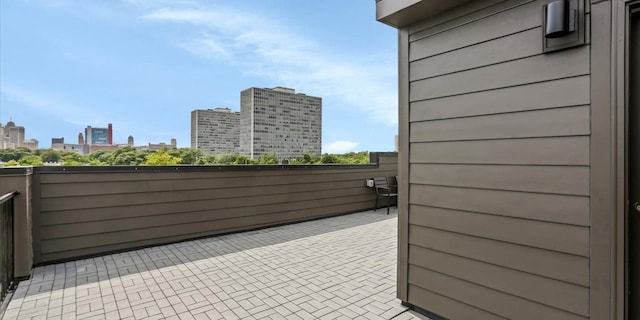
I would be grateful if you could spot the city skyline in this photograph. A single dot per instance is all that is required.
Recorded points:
(145, 65)
(13, 136)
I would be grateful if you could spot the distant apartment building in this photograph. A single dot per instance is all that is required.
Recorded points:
(57, 143)
(279, 121)
(96, 139)
(60, 145)
(99, 136)
(76, 148)
(31, 144)
(156, 146)
(13, 136)
(215, 131)
(3, 137)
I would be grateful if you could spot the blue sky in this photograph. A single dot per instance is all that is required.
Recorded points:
(144, 65)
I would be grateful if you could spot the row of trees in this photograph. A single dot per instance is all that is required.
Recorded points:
(184, 156)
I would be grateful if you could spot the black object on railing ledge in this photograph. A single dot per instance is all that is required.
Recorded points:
(7, 279)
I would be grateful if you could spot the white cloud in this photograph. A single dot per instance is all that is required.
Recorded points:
(79, 116)
(261, 46)
(208, 47)
(50, 104)
(339, 147)
(156, 3)
(88, 10)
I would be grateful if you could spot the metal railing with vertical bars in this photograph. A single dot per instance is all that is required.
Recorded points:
(6, 243)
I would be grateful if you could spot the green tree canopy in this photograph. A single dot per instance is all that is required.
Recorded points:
(161, 158)
(14, 154)
(50, 155)
(227, 158)
(30, 160)
(74, 159)
(242, 160)
(11, 163)
(102, 156)
(188, 155)
(329, 158)
(269, 158)
(308, 158)
(131, 156)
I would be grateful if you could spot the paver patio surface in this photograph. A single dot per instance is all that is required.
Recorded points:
(336, 268)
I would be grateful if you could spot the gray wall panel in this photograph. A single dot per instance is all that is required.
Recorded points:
(499, 167)
(454, 309)
(522, 45)
(501, 303)
(93, 211)
(543, 290)
(557, 122)
(568, 180)
(467, 31)
(565, 209)
(165, 237)
(538, 68)
(511, 99)
(531, 151)
(136, 222)
(551, 264)
(543, 235)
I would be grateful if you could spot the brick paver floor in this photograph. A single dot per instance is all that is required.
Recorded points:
(335, 268)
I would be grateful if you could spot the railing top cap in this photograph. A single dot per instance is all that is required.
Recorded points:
(195, 168)
(8, 196)
(12, 171)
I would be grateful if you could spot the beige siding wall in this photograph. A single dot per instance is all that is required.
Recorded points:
(88, 213)
(498, 168)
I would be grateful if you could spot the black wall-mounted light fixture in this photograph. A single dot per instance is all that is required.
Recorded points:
(563, 24)
(560, 19)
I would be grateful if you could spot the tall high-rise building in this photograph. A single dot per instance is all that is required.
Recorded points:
(13, 136)
(99, 136)
(3, 137)
(279, 121)
(215, 131)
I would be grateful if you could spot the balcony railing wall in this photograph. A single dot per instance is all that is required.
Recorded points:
(7, 276)
(20, 180)
(86, 211)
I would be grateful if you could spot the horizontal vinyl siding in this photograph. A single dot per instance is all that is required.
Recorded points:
(569, 121)
(91, 213)
(538, 68)
(471, 293)
(499, 138)
(538, 234)
(504, 100)
(546, 263)
(505, 19)
(560, 180)
(552, 293)
(522, 44)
